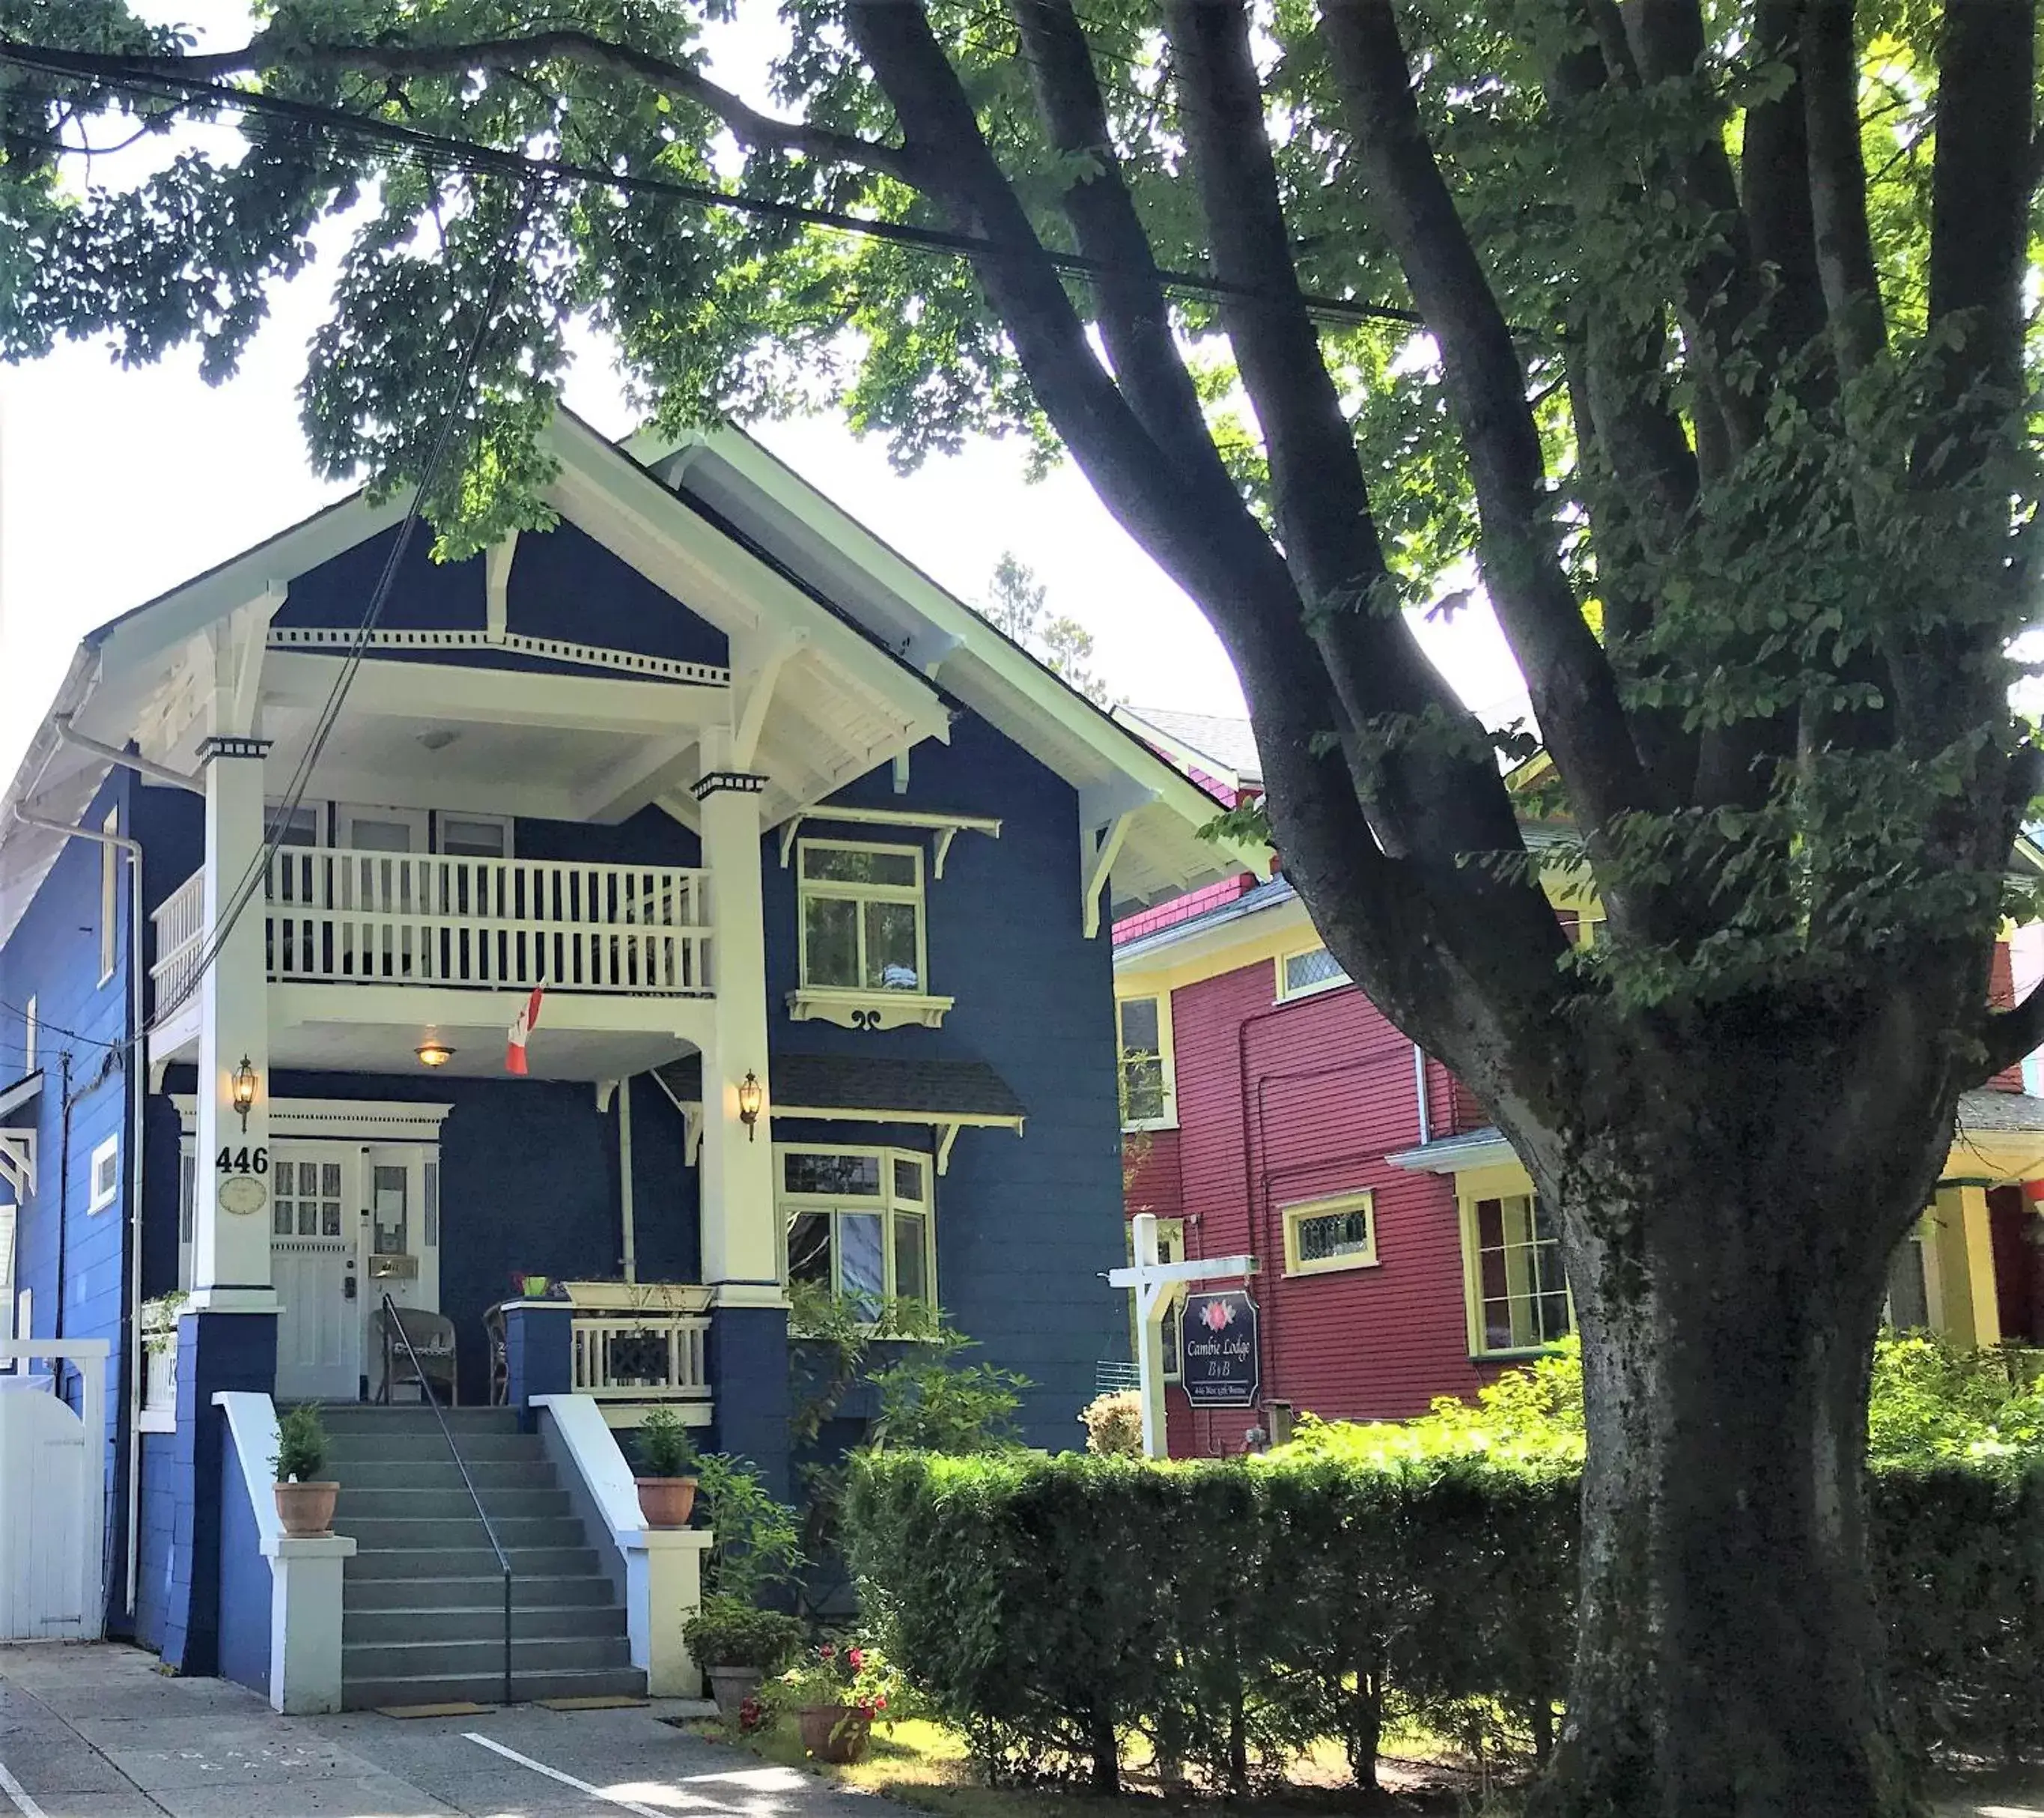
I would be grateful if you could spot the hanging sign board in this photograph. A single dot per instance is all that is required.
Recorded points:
(1221, 1365)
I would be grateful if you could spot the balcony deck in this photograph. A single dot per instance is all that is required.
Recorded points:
(345, 930)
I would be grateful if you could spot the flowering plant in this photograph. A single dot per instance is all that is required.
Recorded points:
(846, 1675)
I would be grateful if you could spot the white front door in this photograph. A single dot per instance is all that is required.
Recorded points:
(401, 1239)
(315, 1200)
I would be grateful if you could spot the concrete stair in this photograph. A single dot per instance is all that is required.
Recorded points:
(422, 1601)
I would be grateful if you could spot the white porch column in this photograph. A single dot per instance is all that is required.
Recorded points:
(739, 1257)
(230, 1243)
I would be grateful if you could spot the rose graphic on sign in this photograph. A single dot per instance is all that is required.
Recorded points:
(1217, 1315)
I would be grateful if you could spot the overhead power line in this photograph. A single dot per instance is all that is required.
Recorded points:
(469, 154)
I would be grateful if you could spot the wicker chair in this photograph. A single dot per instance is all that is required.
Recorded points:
(433, 1338)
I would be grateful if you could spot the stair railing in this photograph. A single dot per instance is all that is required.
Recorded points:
(392, 1324)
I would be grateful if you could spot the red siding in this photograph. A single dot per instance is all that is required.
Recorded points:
(1187, 907)
(1150, 1172)
(1278, 1104)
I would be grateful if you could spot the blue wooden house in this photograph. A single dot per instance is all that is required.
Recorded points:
(808, 867)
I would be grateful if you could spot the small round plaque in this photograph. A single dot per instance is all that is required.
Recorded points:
(242, 1193)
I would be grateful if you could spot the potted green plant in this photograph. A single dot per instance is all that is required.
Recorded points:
(304, 1500)
(667, 1491)
(737, 1646)
(834, 1693)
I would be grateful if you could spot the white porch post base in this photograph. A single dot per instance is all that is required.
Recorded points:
(663, 1589)
(305, 1622)
(663, 1566)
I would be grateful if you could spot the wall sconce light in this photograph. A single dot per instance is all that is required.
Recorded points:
(433, 1053)
(751, 1096)
(244, 1091)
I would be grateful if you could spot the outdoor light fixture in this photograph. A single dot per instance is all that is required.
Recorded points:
(751, 1095)
(433, 1053)
(244, 1091)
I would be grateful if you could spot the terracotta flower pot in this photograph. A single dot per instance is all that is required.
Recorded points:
(836, 1733)
(731, 1686)
(306, 1509)
(667, 1501)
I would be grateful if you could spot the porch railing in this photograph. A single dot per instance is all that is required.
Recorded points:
(180, 926)
(409, 918)
(651, 1356)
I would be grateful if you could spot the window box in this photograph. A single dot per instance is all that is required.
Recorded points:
(854, 1009)
(1322, 1237)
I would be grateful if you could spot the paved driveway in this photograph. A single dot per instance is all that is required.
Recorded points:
(97, 1732)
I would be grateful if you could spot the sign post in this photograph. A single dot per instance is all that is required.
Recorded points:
(1155, 1284)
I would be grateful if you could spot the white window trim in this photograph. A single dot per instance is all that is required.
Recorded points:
(862, 1006)
(509, 823)
(29, 1029)
(110, 898)
(322, 816)
(1169, 1119)
(1363, 1200)
(1284, 996)
(885, 1204)
(101, 1198)
(1466, 1203)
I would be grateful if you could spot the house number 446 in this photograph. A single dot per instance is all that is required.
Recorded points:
(243, 1161)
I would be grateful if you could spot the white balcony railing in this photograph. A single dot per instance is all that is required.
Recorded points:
(652, 1356)
(405, 918)
(180, 926)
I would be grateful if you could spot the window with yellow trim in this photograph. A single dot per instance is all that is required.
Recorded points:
(1322, 1235)
(1148, 1098)
(858, 1222)
(1309, 970)
(1518, 1290)
(860, 910)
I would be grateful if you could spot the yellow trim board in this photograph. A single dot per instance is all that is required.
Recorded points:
(458, 1709)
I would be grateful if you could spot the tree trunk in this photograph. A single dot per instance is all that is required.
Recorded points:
(1729, 1269)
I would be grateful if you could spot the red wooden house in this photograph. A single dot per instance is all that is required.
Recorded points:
(1269, 1109)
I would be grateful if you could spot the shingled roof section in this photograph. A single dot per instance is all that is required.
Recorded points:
(937, 1089)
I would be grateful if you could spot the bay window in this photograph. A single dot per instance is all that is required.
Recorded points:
(857, 1223)
(861, 915)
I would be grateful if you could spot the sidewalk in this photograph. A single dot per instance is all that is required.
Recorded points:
(97, 1732)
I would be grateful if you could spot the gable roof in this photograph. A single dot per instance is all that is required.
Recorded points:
(715, 520)
(1223, 745)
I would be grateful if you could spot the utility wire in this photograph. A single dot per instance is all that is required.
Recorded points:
(469, 154)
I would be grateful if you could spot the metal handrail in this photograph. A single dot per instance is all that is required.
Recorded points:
(393, 1323)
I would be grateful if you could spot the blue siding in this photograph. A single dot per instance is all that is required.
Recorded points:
(564, 584)
(159, 1525)
(69, 1258)
(1024, 1226)
(245, 1579)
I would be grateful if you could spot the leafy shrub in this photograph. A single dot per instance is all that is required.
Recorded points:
(665, 1448)
(300, 1445)
(1114, 1425)
(758, 1541)
(1230, 1612)
(728, 1631)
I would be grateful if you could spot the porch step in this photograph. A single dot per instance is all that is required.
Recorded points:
(431, 1600)
(530, 1622)
(593, 1682)
(422, 1616)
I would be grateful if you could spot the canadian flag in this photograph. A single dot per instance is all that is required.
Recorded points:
(528, 1019)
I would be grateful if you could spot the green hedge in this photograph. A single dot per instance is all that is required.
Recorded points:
(1231, 1613)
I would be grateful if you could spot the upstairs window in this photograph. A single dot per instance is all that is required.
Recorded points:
(1312, 969)
(105, 1174)
(861, 910)
(857, 1222)
(29, 1037)
(1143, 1025)
(474, 837)
(1519, 1292)
(109, 897)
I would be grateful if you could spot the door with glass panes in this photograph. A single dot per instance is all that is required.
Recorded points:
(314, 1219)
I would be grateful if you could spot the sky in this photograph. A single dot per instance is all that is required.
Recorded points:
(117, 483)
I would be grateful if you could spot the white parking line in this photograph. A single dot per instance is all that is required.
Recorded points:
(18, 1795)
(495, 1747)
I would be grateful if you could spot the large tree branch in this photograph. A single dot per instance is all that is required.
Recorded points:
(1837, 182)
(396, 59)
(1135, 314)
(1980, 185)
(1426, 797)
(1574, 690)
(1776, 182)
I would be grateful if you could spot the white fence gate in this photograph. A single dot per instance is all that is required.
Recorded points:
(52, 1501)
